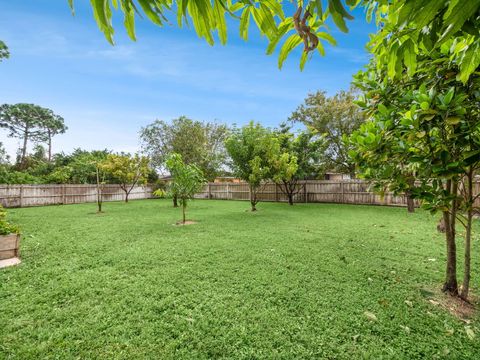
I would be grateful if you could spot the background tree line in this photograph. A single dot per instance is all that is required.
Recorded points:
(315, 149)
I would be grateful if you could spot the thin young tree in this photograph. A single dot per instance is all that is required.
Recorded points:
(199, 143)
(430, 129)
(100, 177)
(308, 150)
(187, 180)
(252, 149)
(127, 170)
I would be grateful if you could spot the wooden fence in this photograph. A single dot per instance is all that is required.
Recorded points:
(311, 191)
(38, 195)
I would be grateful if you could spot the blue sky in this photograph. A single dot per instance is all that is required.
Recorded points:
(107, 93)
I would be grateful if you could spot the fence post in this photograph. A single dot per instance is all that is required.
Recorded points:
(64, 193)
(305, 191)
(342, 187)
(228, 191)
(276, 192)
(21, 195)
(209, 191)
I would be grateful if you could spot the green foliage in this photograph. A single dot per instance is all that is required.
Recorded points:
(198, 143)
(160, 193)
(255, 154)
(236, 284)
(427, 125)
(251, 149)
(29, 122)
(334, 118)
(187, 180)
(305, 26)
(411, 28)
(4, 53)
(81, 165)
(299, 156)
(126, 170)
(5, 227)
(404, 25)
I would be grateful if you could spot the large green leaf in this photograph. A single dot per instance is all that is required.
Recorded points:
(469, 61)
(291, 43)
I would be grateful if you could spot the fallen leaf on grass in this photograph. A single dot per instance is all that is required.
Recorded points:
(406, 328)
(449, 332)
(409, 303)
(370, 316)
(470, 332)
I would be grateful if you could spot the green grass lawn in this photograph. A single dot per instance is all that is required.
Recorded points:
(282, 283)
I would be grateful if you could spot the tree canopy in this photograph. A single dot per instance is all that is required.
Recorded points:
(424, 125)
(253, 150)
(187, 180)
(335, 118)
(126, 170)
(197, 142)
(405, 25)
(25, 122)
(302, 157)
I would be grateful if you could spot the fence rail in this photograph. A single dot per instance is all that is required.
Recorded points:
(39, 195)
(311, 191)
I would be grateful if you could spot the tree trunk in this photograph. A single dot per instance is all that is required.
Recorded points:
(253, 198)
(184, 205)
(468, 237)
(466, 272)
(410, 203)
(290, 198)
(99, 193)
(126, 196)
(451, 285)
(408, 194)
(49, 147)
(24, 149)
(175, 201)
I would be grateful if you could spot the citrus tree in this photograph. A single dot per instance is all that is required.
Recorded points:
(302, 157)
(425, 126)
(187, 180)
(252, 149)
(126, 170)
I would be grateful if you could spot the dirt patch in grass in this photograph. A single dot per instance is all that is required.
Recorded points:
(459, 308)
(188, 222)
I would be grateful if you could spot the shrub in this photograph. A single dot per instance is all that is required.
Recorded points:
(5, 227)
